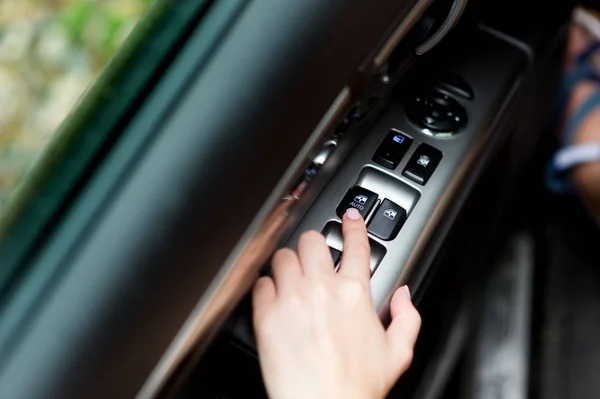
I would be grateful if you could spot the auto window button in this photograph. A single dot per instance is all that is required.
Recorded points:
(392, 149)
(387, 220)
(421, 165)
(359, 198)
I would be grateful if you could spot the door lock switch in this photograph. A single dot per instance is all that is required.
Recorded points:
(421, 165)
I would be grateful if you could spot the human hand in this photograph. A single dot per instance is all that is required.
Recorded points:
(317, 331)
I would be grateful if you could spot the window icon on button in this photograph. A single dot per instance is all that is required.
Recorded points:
(390, 214)
(361, 199)
(358, 198)
(423, 160)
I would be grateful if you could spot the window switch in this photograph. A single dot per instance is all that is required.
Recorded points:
(392, 149)
(333, 236)
(359, 198)
(421, 165)
(335, 255)
(387, 220)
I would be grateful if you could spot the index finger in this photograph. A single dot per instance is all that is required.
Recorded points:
(356, 254)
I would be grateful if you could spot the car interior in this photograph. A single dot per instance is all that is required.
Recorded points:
(226, 129)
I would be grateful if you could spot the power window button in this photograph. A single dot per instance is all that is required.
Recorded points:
(387, 221)
(359, 198)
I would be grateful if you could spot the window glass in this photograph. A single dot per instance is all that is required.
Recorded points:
(50, 52)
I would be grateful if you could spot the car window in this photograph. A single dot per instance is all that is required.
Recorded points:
(50, 52)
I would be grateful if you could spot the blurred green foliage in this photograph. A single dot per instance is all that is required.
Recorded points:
(109, 22)
(50, 52)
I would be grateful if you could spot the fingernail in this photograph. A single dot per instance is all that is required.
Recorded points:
(407, 290)
(353, 213)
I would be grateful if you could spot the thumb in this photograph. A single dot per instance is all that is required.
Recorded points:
(402, 333)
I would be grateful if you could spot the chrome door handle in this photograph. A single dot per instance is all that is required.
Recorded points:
(456, 11)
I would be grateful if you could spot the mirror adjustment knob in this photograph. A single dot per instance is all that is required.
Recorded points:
(436, 112)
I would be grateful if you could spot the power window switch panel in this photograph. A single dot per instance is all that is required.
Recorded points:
(359, 198)
(423, 162)
(387, 220)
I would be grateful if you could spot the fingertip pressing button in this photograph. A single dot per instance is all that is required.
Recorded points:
(358, 198)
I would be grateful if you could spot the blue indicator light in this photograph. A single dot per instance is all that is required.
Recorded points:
(399, 139)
